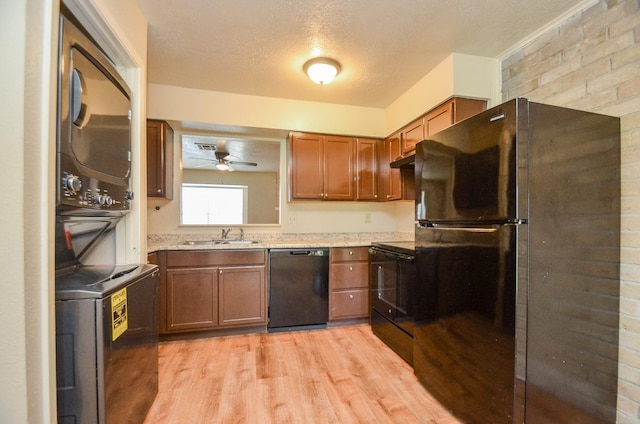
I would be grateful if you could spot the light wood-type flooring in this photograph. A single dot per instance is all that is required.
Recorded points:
(337, 375)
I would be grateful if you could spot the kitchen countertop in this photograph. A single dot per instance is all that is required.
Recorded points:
(273, 241)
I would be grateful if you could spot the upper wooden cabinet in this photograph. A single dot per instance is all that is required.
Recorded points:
(367, 168)
(390, 179)
(398, 184)
(437, 119)
(159, 160)
(306, 166)
(339, 168)
(411, 134)
(450, 112)
(332, 167)
(322, 167)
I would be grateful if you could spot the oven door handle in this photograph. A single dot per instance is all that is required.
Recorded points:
(395, 255)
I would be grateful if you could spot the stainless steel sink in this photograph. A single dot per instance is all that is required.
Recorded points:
(239, 242)
(201, 242)
(208, 242)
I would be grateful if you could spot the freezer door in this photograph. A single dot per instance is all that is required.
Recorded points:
(468, 172)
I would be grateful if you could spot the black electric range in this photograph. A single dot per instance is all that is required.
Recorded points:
(406, 247)
(392, 287)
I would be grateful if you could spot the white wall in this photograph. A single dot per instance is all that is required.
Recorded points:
(26, 354)
(187, 104)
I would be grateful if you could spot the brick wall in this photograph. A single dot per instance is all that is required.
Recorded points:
(592, 62)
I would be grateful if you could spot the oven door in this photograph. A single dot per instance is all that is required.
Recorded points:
(392, 281)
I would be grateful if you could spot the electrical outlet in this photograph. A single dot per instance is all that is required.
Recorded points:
(291, 219)
(367, 218)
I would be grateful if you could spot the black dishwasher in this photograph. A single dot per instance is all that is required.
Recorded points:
(298, 289)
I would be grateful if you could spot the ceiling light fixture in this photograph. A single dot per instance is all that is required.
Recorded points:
(222, 166)
(321, 70)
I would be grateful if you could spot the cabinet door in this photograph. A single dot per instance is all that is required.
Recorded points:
(242, 293)
(192, 299)
(159, 160)
(394, 178)
(306, 166)
(411, 135)
(439, 119)
(451, 112)
(338, 168)
(366, 169)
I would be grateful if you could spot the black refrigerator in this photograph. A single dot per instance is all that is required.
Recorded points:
(517, 257)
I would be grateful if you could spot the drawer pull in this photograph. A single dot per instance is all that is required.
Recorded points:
(350, 296)
(350, 252)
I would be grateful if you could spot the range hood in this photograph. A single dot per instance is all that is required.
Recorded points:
(404, 161)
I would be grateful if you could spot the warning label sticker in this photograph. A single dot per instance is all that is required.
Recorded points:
(119, 318)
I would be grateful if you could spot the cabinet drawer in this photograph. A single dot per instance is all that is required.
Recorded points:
(182, 258)
(350, 304)
(347, 254)
(349, 275)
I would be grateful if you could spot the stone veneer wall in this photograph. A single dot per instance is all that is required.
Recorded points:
(592, 62)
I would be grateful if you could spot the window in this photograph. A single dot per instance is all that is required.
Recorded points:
(211, 204)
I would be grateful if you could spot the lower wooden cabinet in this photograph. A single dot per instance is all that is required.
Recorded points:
(349, 283)
(192, 299)
(349, 304)
(242, 296)
(208, 290)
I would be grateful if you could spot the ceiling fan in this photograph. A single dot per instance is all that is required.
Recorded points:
(223, 158)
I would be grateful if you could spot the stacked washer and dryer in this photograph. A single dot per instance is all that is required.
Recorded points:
(106, 311)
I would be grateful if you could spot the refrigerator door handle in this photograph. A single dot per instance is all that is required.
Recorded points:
(475, 224)
(483, 229)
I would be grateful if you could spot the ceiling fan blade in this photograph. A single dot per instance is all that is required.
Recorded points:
(235, 162)
(203, 165)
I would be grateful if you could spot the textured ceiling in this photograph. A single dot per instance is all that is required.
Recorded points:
(258, 47)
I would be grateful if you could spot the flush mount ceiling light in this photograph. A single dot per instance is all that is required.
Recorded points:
(321, 70)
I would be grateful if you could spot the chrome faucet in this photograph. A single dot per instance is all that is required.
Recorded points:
(225, 233)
